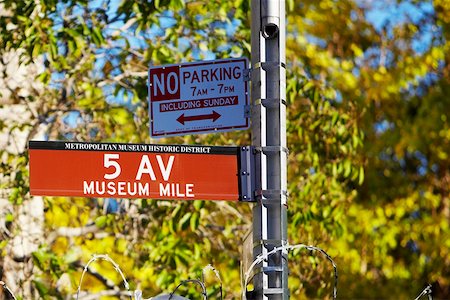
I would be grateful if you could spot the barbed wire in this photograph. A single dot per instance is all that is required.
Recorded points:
(426, 291)
(210, 267)
(105, 257)
(199, 282)
(6, 288)
(286, 248)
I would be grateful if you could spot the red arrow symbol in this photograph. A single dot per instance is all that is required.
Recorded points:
(214, 116)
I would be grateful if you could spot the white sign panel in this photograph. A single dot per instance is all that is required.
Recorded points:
(198, 97)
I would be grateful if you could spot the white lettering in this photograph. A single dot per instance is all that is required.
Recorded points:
(111, 188)
(164, 190)
(175, 80)
(132, 190)
(100, 187)
(179, 193)
(159, 84)
(165, 171)
(176, 190)
(144, 189)
(121, 188)
(88, 188)
(145, 167)
(189, 188)
(109, 162)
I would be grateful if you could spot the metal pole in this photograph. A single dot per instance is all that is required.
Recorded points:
(269, 139)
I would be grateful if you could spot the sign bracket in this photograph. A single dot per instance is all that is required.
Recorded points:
(246, 174)
(247, 74)
(247, 111)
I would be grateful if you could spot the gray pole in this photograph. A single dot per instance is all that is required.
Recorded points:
(268, 94)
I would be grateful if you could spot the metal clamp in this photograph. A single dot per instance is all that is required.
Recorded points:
(270, 102)
(268, 269)
(269, 65)
(272, 242)
(273, 102)
(272, 196)
(273, 291)
(271, 149)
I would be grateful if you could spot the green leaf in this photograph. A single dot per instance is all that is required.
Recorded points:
(42, 289)
(100, 221)
(198, 204)
(361, 175)
(120, 115)
(184, 221)
(290, 5)
(9, 217)
(347, 168)
(195, 221)
(97, 36)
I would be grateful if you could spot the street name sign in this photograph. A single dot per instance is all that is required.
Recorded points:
(198, 97)
(104, 170)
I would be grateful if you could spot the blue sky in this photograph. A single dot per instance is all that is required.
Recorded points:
(390, 13)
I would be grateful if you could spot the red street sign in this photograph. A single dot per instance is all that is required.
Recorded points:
(114, 170)
(199, 97)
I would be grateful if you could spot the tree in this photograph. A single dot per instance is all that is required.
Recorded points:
(368, 134)
(390, 76)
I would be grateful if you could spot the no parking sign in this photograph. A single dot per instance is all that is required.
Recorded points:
(198, 97)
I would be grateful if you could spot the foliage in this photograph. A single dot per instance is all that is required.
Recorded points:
(368, 133)
(390, 79)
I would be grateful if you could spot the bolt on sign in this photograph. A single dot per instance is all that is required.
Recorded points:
(181, 172)
(198, 97)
